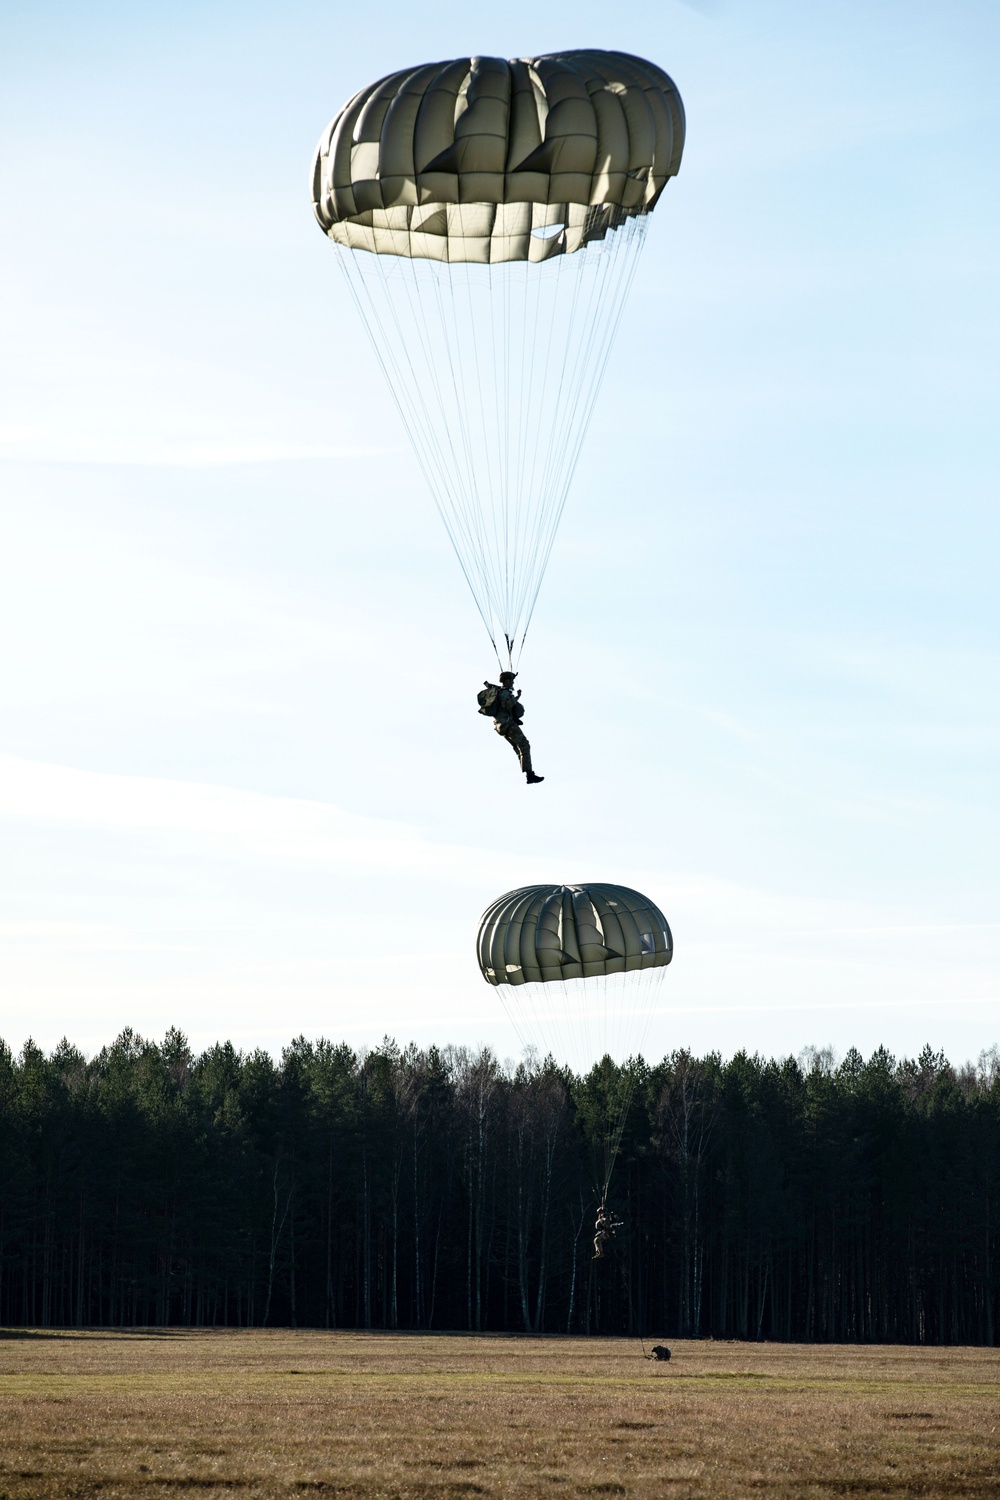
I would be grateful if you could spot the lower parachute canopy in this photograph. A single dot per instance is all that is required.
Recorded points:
(578, 967)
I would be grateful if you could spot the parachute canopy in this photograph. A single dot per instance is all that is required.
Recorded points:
(488, 217)
(484, 160)
(543, 933)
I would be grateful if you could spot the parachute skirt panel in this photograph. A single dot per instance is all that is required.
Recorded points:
(488, 217)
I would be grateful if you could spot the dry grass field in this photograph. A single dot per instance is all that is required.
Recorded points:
(146, 1413)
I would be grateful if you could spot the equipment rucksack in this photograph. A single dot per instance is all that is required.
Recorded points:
(487, 699)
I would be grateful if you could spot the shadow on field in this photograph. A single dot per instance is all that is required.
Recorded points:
(103, 1335)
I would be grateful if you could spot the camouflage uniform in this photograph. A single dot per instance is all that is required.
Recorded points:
(605, 1228)
(507, 716)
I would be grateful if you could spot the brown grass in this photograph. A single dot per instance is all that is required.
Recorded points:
(147, 1414)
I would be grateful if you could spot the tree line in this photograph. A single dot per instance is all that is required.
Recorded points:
(439, 1189)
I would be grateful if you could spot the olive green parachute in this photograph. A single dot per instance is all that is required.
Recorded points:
(468, 160)
(556, 932)
(488, 217)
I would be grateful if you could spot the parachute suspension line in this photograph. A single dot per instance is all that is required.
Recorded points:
(558, 462)
(428, 451)
(465, 331)
(491, 417)
(495, 369)
(542, 411)
(389, 352)
(558, 449)
(534, 315)
(444, 475)
(497, 296)
(466, 522)
(585, 1024)
(505, 407)
(582, 1021)
(631, 1019)
(471, 414)
(597, 331)
(472, 520)
(561, 458)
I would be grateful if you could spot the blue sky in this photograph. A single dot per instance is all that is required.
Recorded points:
(243, 786)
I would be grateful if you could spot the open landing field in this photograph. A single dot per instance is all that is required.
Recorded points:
(146, 1413)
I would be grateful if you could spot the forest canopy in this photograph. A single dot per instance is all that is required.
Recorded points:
(441, 1189)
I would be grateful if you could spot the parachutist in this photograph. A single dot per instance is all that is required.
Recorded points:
(499, 702)
(605, 1227)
